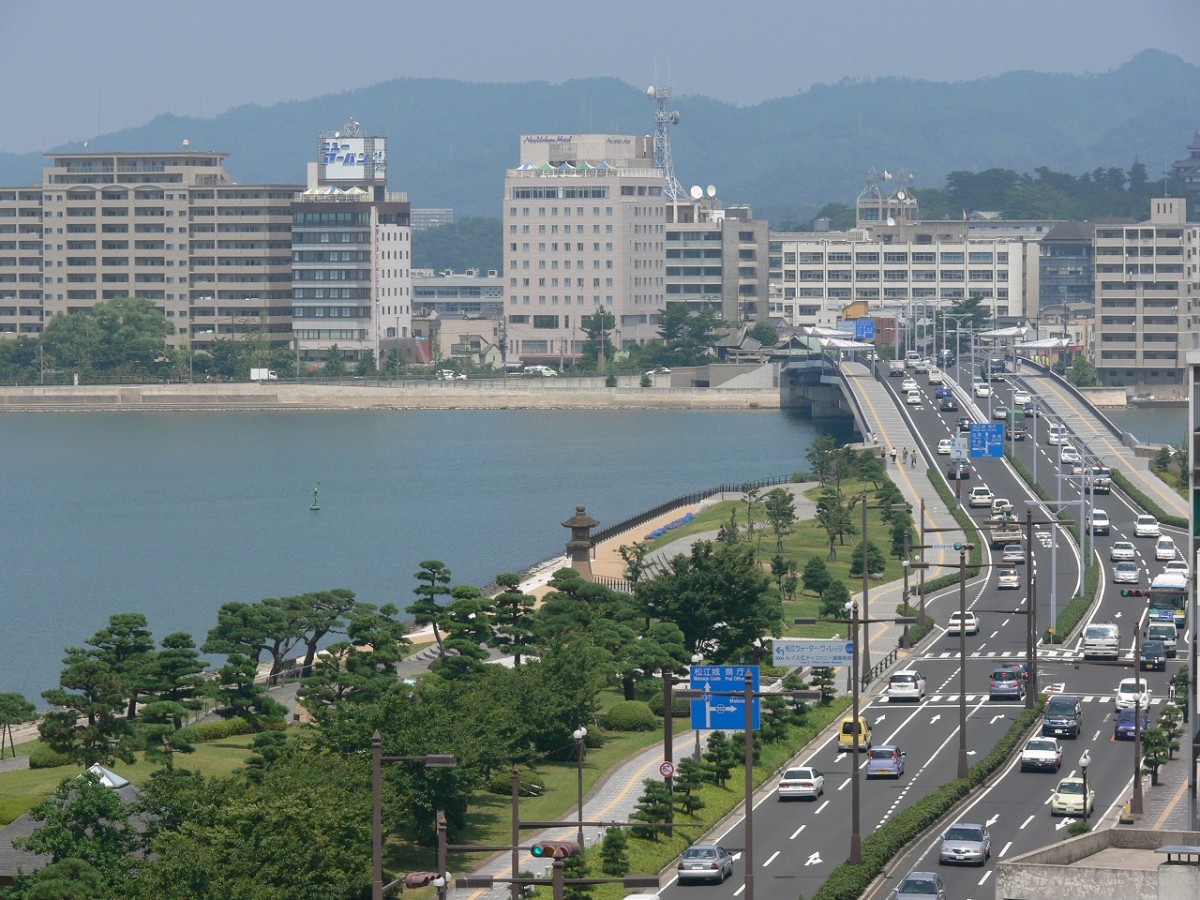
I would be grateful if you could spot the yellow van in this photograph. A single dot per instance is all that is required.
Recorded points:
(846, 734)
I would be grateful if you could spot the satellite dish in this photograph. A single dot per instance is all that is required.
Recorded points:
(900, 195)
(337, 134)
(711, 191)
(650, 91)
(674, 117)
(891, 221)
(696, 192)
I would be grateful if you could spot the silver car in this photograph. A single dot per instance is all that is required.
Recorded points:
(921, 886)
(1122, 551)
(1126, 573)
(704, 862)
(964, 842)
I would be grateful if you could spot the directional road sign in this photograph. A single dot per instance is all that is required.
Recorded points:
(958, 447)
(718, 709)
(813, 652)
(864, 329)
(987, 440)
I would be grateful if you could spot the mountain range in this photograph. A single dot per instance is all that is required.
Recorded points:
(449, 142)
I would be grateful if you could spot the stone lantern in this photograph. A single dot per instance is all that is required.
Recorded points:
(579, 547)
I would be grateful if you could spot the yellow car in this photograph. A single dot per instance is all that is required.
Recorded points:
(846, 734)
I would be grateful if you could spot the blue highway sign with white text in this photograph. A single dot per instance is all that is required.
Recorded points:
(718, 710)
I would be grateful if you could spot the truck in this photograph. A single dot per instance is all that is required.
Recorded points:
(263, 375)
(1005, 530)
(1101, 641)
(1016, 424)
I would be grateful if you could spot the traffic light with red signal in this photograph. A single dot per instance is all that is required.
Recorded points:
(554, 849)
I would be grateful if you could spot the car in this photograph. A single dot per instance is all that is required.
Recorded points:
(1179, 566)
(704, 862)
(885, 761)
(1068, 798)
(1000, 413)
(943, 392)
(921, 366)
(943, 447)
(966, 842)
(1040, 754)
(801, 781)
(967, 623)
(1012, 554)
(1127, 572)
(1099, 522)
(1030, 409)
(846, 734)
(948, 404)
(896, 369)
(982, 389)
(1164, 549)
(921, 886)
(1154, 656)
(1008, 579)
(958, 470)
(935, 376)
(1005, 684)
(1126, 724)
(1063, 716)
(1121, 551)
(1068, 455)
(981, 495)
(1020, 668)
(1020, 398)
(913, 398)
(908, 384)
(449, 375)
(907, 684)
(1133, 692)
(1145, 526)
(659, 370)
(963, 425)
(1001, 505)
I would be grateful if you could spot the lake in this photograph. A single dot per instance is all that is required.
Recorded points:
(173, 514)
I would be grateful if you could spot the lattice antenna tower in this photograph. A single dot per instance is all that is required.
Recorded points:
(662, 140)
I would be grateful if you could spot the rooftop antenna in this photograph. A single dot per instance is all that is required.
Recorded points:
(662, 140)
(352, 129)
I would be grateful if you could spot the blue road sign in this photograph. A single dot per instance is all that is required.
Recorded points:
(717, 710)
(864, 329)
(812, 652)
(987, 440)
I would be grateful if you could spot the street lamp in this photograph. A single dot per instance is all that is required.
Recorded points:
(1135, 804)
(697, 658)
(579, 734)
(1084, 762)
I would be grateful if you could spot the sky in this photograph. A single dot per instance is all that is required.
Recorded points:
(73, 69)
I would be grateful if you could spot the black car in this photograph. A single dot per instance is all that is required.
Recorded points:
(964, 425)
(1031, 410)
(1154, 656)
(958, 470)
(948, 404)
(1063, 716)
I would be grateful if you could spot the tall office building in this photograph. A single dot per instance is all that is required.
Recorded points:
(1147, 288)
(584, 221)
(717, 259)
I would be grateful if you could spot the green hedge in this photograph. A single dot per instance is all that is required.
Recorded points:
(1145, 502)
(225, 728)
(42, 757)
(630, 715)
(848, 882)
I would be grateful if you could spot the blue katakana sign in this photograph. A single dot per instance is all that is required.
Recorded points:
(987, 440)
(717, 710)
(864, 329)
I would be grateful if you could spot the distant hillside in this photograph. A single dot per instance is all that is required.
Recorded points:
(450, 141)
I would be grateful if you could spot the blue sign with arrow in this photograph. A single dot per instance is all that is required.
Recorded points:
(864, 329)
(718, 709)
(987, 440)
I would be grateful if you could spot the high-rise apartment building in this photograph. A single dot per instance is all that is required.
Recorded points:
(1147, 288)
(584, 222)
(717, 259)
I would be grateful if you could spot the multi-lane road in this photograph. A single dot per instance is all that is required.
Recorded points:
(798, 843)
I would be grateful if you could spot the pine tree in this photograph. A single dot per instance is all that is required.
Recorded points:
(614, 852)
(720, 757)
(576, 866)
(689, 778)
(822, 679)
(816, 575)
(653, 806)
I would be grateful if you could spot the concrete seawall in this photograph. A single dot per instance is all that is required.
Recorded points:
(563, 394)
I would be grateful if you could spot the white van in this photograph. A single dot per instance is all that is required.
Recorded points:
(1165, 632)
(538, 372)
(1056, 434)
(1102, 641)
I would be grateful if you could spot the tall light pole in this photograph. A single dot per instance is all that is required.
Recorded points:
(579, 734)
(962, 659)
(1135, 804)
(1084, 762)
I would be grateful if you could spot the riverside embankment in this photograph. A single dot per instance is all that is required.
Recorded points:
(559, 393)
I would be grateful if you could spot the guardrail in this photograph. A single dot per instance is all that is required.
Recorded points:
(1126, 438)
(879, 668)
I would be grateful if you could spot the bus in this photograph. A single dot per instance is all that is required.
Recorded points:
(1168, 598)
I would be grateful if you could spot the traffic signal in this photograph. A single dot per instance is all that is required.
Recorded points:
(1135, 593)
(961, 546)
(418, 879)
(554, 849)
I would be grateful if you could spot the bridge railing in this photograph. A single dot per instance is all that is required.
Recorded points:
(1126, 438)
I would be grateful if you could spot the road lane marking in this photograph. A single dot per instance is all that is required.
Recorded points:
(986, 876)
(1023, 824)
(1005, 848)
(814, 860)
(771, 858)
(796, 833)
(843, 784)
(817, 813)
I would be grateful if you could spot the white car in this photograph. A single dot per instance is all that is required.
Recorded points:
(1008, 579)
(1132, 691)
(963, 622)
(913, 398)
(1179, 566)
(981, 495)
(1042, 753)
(1122, 551)
(801, 781)
(1068, 799)
(1000, 505)
(943, 447)
(1020, 398)
(449, 375)
(908, 384)
(1068, 455)
(1164, 549)
(982, 389)
(907, 684)
(1012, 554)
(1145, 526)
(935, 376)
(921, 366)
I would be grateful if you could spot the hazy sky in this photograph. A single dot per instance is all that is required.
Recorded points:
(71, 69)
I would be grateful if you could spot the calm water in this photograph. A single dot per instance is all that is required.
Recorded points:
(174, 514)
(1154, 426)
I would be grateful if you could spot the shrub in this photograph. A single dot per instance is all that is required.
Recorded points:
(532, 784)
(204, 732)
(42, 757)
(630, 715)
(679, 707)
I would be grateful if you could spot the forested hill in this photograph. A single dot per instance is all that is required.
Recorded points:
(450, 141)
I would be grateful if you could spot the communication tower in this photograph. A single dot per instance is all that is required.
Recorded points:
(662, 140)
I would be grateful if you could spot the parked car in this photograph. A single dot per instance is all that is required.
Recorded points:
(959, 469)
(1013, 554)
(449, 375)
(1131, 692)
(1040, 754)
(948, 404)
(965, 842)
(1099, 522)
(943, 447)
(1063, 716)
(1068, 799)
(1164, 549)
(704, 862)
(1008, 579)
(1145, 526)
(885, 761)
(907, 684)
(1000, 413)
(1005, 684)
(1126, 725)
(913, 398)
(960, 622)
(1121, 551)
(1179, 566)
(801, 781)
(908, 384)
(921, 886)
(981, 495)
(1126, 572)
(963, 425)
(1154, 656)
(1020, 398)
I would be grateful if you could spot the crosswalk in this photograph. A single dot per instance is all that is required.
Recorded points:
(1101, 699)
(1049, 655)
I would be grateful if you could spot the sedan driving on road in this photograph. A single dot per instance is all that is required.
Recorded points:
(1133, 691)
(1020, 398)
(1000, 413)
(1178, 566)
(1100, 523)
(968, 622)
(948, 404)
(801, 781)
(981, 495)
(908, 384)
(921, 886)
(704, 862)
(959, 470)
(943, 447)
(1067, 799)
(1145, 526)
(1127, 572)
(963, 425)
(1126, 724)
(907, 684)
(1008, 580)
(1154, 656)
(1013, 554)
(913, 398)
(965, 842)
(1044, 754)
(1122, 551)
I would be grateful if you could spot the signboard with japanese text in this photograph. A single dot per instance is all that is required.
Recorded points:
(725, 706)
